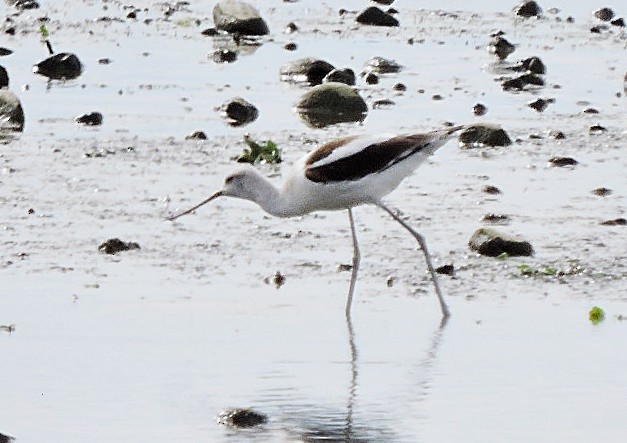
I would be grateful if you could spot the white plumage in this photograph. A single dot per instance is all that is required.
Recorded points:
(340, 175)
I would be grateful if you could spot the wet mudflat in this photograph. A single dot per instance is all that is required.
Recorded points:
(154, 343)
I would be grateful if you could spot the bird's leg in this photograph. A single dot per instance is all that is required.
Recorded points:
(423, 245)
(356, 259)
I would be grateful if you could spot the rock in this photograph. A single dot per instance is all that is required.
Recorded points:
(557, 135)
(11, 112)
(540, 104)
(597, 129)
(500, 47)
(61, 66)
(376, 17)
(479, 109)
(291, 28)
(224, 56)
(196, 135)
(399, 87)
(210, 32)
(290, 46)
(446, 270)
(25, 4)
(590, 111)
(604, 14)
(331, 103)
(237, 17)
(618, 22)
(491, 243)
(380, 65)
(90, 119)
(239, 112)
(4, 78)
(532, 65)
(371, 78)
(528, 9)
(306, 70)
(5, 51)
(114, 245)
(384, 2)
(7, 438)
(602, 192)
(346, 76)
(500, 219)
(489, 189)
(484, 135)
(562, 161)
(241, 418)
(520, 83)
(382, 103)
(615, 222)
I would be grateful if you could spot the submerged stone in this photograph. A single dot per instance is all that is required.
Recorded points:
(89, 119)
(61, 66)
(237, 17)
(306, 70)
(380, 65)
(346, 76)
(4, 78)
(492, 243)
(331, 103)
(239, 112)
(242, 418)
(484, 135)
(11, 112)
(501, 47)
(528, 9)
(376, 17)
(114, 245)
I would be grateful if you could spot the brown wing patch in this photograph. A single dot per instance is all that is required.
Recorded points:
(373, 158)
(326, 149)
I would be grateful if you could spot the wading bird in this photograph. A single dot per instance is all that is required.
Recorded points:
(338, 175)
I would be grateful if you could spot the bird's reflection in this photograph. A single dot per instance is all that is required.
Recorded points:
(362, 433)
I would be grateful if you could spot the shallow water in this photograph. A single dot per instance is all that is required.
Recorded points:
(153, 344)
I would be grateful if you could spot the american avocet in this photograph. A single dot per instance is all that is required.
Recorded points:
(338, 175)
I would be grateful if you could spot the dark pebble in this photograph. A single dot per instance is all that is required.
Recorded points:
(59, 66)
(371, 79)
(597, 129)
(10, 30)
(346, 76)
(598, 29)
(242, 418)
(562, 161)
(602, 192)
(528, 9)
(615, 222)
(618, 22)
(437, 97)
(114, 245)
(484, 135)
(382, 103)
(532, 65)
(479, 109)
(376, 17)
(495, 218)
(290, 46)
(224, 56)
(4, 77)
(291, 28)
(489, 189)
(131, 15)
(487, 241)
(90, 119)
(590, 111)
(557, 135)
(25, 4)
(604, 14)
(540, 104)
(399, 87)
(446, 270)
(196, 135)
(239, 112)
(519, 83)
(104, 61)
(5, 51)
(501, 48)
(210, 32)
